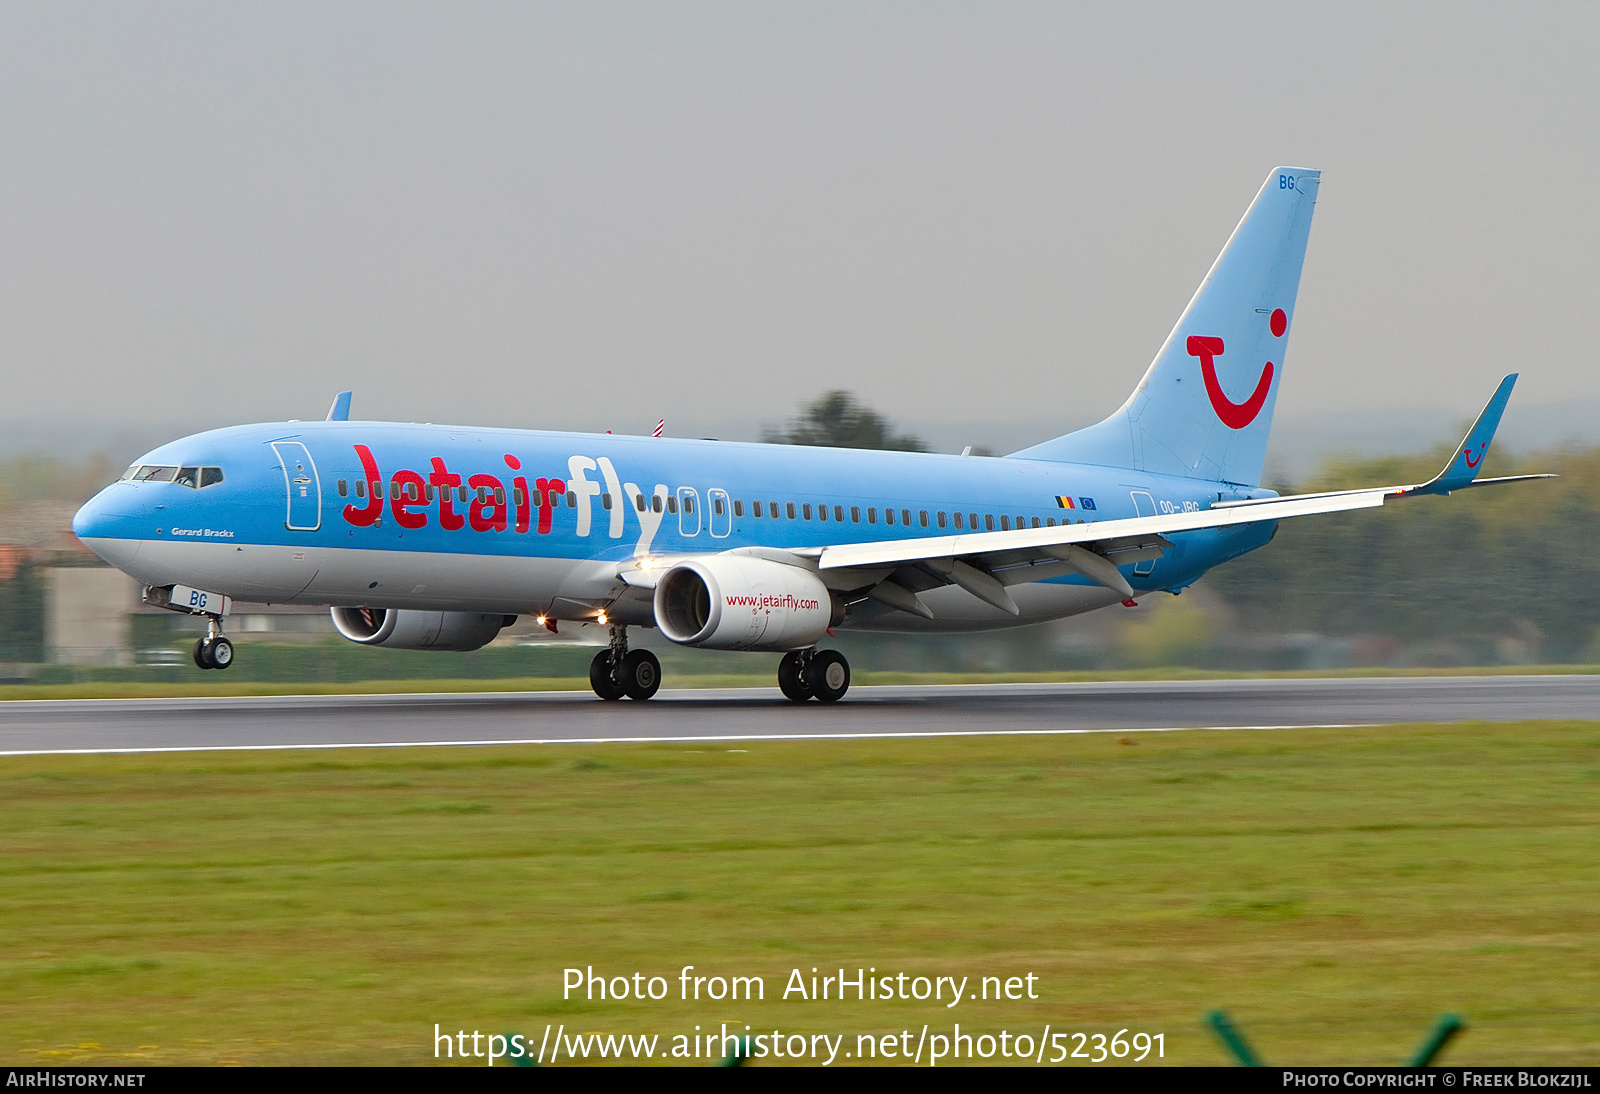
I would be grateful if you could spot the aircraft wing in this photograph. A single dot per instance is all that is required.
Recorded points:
(985, 563)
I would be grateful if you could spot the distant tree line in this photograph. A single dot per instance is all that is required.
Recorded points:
(836, 419)
(1480, 565)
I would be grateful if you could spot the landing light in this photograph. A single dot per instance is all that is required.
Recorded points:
(602, 617)
(540, 621)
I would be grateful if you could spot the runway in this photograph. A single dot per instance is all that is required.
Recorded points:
(158, 725)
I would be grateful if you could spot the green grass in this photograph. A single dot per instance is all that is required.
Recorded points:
(1334, 890)
(221, 684)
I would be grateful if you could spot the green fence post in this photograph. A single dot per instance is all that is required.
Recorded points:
(525, 1060)
(1231, 1039)
(1447, 1027)
(736, 1058)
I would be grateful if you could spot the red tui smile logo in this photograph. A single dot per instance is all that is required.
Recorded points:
(1233, 415)
(1466, 454)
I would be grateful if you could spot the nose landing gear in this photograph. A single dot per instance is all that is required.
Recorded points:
(617, 671)
(820, 674)
(214, 651)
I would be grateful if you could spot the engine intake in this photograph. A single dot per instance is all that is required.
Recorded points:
(407, 629)
(731, 602)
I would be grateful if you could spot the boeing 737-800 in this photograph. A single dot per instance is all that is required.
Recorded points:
(437, 537)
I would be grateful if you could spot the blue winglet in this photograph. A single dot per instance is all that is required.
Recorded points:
(340, 410)
(1468, 459)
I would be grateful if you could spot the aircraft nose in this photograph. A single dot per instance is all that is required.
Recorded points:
(102, 526)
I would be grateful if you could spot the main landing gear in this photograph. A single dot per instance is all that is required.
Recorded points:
(214, 651)
(617, 671)
(820, 674)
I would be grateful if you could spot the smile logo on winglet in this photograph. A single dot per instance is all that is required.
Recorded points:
(1466, 454)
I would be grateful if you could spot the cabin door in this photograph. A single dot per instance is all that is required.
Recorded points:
(300, 480)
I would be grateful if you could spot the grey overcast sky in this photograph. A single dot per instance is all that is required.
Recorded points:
(592, 215)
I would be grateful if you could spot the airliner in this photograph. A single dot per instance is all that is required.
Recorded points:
(436, 537)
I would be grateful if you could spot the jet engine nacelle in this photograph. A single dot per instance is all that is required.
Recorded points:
(408, 629)
(735, 602)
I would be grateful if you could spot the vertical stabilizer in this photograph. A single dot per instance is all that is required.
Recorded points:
(1204, 408)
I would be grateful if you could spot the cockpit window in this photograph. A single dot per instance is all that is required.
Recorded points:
(129, 473)
(195, 478)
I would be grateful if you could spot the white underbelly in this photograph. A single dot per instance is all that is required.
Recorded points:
(348, 576)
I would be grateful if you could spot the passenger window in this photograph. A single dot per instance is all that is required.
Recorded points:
(605, 500)
(499, 495)
(461, 494)
(888, 516)
(905, 517)
(738, 508)
(772, 510)
(972, 522)
(805, 510)
(361, 489)
(427, 492)
(838, 513)
(1050, 522)
(941, 518)
(958, 520)
(872, 515)
(1005, 523)
(638, 502)
(344, 490)
(572, 499)
(538, 499)
(516, 496)
(855, 514)
(923, 517)
(718, 507)
(988, 521)
(755, 508)
(688, 505)
(788, 509)
(394, 490)
(672, 504)
(1036, 522)
(655, 502)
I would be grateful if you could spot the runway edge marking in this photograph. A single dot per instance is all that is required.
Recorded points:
(696, 739)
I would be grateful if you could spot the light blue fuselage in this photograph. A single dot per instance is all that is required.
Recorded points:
(275, 530)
